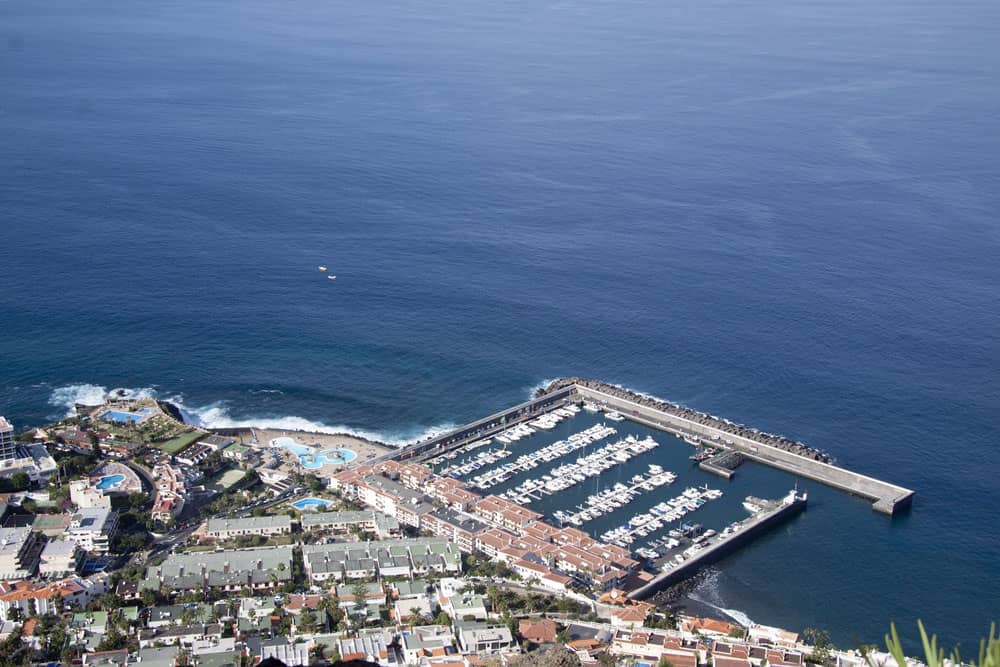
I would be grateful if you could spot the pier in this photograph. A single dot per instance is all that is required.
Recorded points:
(886, 498)
(482, 428)
(718, 546)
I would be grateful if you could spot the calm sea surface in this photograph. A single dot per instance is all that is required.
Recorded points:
(785, 213)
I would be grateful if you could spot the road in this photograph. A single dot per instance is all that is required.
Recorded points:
(168, 541)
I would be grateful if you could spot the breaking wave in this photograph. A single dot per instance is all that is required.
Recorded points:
(92, 394)
(217, 415)
(708, 594)
(541, 385)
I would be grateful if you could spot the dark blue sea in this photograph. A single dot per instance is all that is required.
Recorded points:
(785, 213)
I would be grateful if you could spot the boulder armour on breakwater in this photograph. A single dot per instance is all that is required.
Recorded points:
(777, 441)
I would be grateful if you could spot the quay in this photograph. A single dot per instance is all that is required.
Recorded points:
(723, 544)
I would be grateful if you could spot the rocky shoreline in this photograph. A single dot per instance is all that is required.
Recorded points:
(778, 441)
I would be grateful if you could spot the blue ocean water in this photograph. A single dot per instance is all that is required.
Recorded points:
(783, 213)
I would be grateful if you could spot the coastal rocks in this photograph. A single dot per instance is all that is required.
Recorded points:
(778, 441)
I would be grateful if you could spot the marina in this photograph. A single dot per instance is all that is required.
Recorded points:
(589, 466)
(614, 490)
(618, 502)
(525, 462)
(661, 515)
(617, 496)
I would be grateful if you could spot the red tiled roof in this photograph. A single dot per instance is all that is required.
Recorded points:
(541, 632)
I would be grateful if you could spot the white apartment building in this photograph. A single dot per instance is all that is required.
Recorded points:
(60, 558)
(93, 529)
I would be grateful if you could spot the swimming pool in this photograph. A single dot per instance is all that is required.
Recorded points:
(108, 481)
(312, 458)
(311, 503)
(123, 417)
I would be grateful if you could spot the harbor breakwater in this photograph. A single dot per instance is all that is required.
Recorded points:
(724, 544)
(778, 441)
(773, 450)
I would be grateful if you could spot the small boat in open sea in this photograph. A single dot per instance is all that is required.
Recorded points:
(322, 268)
(331, 277)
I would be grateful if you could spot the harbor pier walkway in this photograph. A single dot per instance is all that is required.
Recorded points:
(886, 498)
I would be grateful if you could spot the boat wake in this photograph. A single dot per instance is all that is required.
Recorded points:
(218, 415)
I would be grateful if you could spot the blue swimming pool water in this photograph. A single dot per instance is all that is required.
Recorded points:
(123, 417)
(328, 456)
(311, 503)
(292, 446)
(120, 417)
(311, 458)
(109, 481)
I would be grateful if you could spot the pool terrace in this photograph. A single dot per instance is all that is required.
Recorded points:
(313, 458)
(126, 417)
(113, 477)
(311, 504)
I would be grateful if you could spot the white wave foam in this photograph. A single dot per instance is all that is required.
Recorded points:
(217, 415)
(541, 385)
(128, 393)
(91, 394)
(708, 594)
(738, 616)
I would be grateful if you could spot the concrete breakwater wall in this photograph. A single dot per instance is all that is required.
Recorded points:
(691, 416)
(798, 459)
(722, 546)
(485, 427)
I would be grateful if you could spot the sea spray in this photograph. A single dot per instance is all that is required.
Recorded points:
(69, 396)
(217, 415)
(540, 387)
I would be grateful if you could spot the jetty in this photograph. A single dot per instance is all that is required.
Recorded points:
(705, 550)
